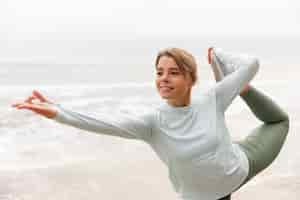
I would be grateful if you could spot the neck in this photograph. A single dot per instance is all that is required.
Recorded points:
(179, 102)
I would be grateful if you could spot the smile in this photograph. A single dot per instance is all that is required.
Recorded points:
(165, 88)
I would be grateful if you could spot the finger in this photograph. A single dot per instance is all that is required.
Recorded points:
(29, 107)
(38, 95)
(29, 99)
(42, 110)
(23, 105)
(32, 107)
(15, 104)
(209, 55)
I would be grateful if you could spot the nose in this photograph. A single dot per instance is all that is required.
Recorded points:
(164, 77)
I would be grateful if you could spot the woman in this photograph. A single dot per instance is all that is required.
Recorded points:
(190, 136)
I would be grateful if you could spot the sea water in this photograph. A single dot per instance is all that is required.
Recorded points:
(36, 152)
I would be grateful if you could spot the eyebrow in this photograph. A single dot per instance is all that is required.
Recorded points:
(171, 68)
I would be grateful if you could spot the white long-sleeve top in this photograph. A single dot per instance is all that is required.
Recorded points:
(193, 141)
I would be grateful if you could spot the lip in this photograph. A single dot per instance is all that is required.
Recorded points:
(166, 87)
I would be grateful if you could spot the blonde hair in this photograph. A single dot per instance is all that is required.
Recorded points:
(185, 61)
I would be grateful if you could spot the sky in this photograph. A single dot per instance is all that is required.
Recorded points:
(55, 20)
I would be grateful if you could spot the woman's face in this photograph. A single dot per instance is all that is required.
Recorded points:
(171, 83)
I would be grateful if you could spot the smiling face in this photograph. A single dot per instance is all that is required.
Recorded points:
(173, 84)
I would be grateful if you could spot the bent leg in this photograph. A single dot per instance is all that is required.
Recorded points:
(264, 143)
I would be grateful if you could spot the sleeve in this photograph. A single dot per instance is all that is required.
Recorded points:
(232, 84)
(124, 125)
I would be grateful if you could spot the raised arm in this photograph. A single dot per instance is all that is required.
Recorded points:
(240, 71)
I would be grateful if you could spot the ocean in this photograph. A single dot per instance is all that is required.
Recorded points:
(41, 159)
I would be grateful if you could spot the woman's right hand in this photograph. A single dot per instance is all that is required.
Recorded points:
(209, 52)
(38, 104)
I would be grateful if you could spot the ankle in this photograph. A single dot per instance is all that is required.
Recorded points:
(245, 90)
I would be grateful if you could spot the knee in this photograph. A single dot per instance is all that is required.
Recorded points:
(284, 119)
(285, 124)
(285, 116)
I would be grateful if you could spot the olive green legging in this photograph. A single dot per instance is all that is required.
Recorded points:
(264, 143)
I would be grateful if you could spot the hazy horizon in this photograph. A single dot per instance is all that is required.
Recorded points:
(90, 32)
(142, 49)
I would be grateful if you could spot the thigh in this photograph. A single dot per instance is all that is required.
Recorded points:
(263, 145)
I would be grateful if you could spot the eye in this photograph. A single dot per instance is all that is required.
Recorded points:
(174, 73)
(158, 73)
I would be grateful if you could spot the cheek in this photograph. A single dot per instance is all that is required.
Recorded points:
(183, 86)
(156, 82)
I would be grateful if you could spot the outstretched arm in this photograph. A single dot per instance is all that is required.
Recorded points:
(120, 124)
(117, 124)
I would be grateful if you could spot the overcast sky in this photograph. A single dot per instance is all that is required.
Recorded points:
(27, 19)
(41, 20)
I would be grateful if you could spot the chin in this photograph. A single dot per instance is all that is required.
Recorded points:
(167, 97)
(163, 97)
